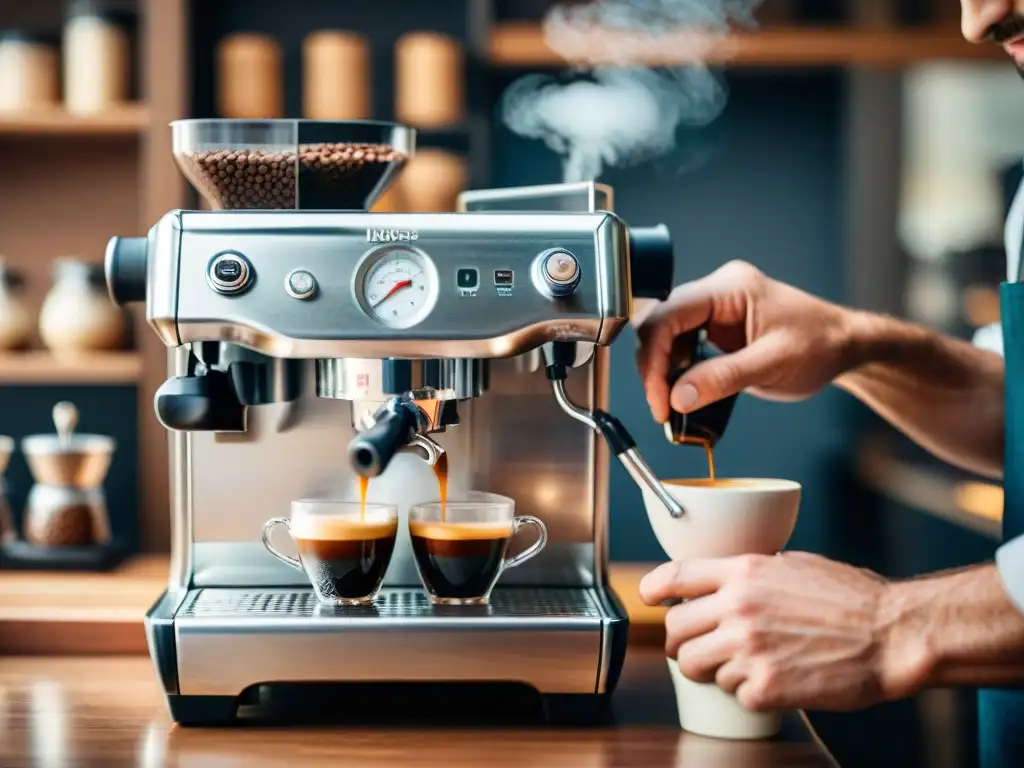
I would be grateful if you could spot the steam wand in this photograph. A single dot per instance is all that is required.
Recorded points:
(556, 357)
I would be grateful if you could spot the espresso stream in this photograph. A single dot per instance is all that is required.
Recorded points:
(711, 461)
(364, 486)
(708, 451)
(440, 471)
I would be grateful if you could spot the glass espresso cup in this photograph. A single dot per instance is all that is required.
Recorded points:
(461, 547)
(344, 547)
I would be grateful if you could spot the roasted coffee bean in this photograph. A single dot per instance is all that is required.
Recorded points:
(322, 176)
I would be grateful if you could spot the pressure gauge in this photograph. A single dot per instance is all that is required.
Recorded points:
(397, 286)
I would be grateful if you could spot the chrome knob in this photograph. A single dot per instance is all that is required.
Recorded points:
(229, 273)
(557, 273)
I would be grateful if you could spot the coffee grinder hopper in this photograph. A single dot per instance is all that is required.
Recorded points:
(291, 164)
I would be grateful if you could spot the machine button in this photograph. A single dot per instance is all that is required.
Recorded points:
(229, 273)
(300, 284)
(556, 273)
(467, 279)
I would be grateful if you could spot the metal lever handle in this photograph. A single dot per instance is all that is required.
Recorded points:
(622, 445)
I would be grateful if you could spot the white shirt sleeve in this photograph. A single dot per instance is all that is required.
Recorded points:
(1010, 564)
(991, 338)
(1010, 556)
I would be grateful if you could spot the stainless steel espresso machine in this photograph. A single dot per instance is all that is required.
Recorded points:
(297, 366)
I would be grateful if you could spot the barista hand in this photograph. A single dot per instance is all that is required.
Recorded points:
(785, 344)
(788, 631)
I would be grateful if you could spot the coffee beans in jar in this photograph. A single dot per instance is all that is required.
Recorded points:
(320, 176)
(71, 525)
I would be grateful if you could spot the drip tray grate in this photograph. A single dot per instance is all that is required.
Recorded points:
(404, 603)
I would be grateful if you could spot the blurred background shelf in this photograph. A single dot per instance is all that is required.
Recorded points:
(130, 120)
(521, 44)
(930, 487)
(108, 368)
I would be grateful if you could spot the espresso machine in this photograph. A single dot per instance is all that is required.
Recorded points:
(313, 343)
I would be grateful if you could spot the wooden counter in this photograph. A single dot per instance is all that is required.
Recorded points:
(90, 613)
(109, 711)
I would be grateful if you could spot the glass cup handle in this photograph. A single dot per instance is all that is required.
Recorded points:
(538, 545)
(267, 528)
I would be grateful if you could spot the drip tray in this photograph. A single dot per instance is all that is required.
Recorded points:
(554, 640)
(412, 604)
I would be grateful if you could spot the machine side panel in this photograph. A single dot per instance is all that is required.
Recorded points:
(163, 277)
(160, 637)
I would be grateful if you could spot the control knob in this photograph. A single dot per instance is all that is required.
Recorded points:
(557, 272)
(229, 273)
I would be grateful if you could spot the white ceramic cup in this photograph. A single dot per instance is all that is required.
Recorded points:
(723, 518)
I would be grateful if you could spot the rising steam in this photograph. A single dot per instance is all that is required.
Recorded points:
(611, 113)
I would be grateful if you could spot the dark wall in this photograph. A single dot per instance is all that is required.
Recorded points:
(770, 192)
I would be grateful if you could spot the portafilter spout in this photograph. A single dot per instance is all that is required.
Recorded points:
(397, 425)
(558, 357)
(397, 403)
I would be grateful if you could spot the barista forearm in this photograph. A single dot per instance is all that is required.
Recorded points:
(957, 629)
(943, 393)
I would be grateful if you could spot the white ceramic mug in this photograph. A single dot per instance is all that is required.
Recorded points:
(723, 518)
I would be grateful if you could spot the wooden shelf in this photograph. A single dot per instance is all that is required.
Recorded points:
(44, 368)
(79, 613)
(102, 613)
(129, 120)
(523, 45)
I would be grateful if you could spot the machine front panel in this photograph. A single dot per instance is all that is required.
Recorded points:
(474, 286)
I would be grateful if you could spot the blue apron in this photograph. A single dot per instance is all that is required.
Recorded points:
(1001, 712)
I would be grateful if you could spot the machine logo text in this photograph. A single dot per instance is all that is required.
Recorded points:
(391, 235)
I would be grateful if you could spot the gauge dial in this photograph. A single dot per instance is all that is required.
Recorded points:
(399, 288)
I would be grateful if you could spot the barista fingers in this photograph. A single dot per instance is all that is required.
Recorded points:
(797, 630)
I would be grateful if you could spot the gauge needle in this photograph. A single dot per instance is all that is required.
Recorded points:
(395, 289)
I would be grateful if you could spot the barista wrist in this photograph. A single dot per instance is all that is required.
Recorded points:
(960, 628)
(873, 338)
(905, 655)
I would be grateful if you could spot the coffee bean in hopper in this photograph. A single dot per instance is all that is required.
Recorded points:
(332, 175)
